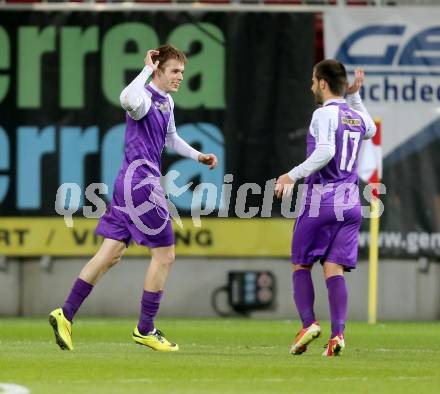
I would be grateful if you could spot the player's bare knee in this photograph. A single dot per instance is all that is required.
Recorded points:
(168, 258)
(111, 259)
(115, 260)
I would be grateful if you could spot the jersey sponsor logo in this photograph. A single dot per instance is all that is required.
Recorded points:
(162, 107)
(351, 122)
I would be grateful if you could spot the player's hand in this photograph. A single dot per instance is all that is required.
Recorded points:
(358, 81)
(208, 159)
(284, 186)
(148, 61)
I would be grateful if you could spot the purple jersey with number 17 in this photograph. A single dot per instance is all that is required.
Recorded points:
(327, 229)
(345, 128)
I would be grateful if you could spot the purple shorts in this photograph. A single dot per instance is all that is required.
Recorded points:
(324, 238)
(150, 226)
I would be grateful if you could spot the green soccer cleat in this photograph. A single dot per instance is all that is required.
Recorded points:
(334, 347)
(62, 329)
(155, 341)
(304, 337)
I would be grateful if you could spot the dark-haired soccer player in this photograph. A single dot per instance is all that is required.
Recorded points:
(150, 127)
(327, 229)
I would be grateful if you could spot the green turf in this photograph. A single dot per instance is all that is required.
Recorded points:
(219, 356)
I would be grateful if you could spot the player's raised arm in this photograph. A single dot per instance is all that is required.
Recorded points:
(354, 100)
(134, 99)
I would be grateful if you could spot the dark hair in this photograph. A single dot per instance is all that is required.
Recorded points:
(167, 52)
(334, 73)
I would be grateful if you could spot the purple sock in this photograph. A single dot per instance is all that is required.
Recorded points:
(80, 290)
(150, 306)
(304, 295)
(337, 299)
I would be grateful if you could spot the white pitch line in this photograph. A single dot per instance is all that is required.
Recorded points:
(345, 379)
(213, 380)
(411, 378)
(146, 380)
(384, 350)
(364, 378)
(11, 388)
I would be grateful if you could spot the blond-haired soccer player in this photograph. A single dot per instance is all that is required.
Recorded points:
(150, 127)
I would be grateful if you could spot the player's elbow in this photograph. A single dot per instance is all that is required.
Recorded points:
(373, 130)
(328, 152)
(125, 101)
(332, 151)
(323, 154)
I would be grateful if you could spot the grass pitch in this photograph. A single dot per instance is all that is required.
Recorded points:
(219, 356)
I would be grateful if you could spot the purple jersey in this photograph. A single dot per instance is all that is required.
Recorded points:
(344, 128)
(327, 229)
(145, 138)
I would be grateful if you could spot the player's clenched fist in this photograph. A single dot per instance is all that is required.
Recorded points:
(208, 159)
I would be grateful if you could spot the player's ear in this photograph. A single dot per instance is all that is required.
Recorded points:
(156, 73)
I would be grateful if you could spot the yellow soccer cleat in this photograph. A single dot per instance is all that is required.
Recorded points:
(155, 341)
(304, 337)
(62, 329)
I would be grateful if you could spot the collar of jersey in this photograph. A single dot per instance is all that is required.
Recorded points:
(157, 90)
(333, 101)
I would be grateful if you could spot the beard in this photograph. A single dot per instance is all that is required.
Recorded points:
(318, 98)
